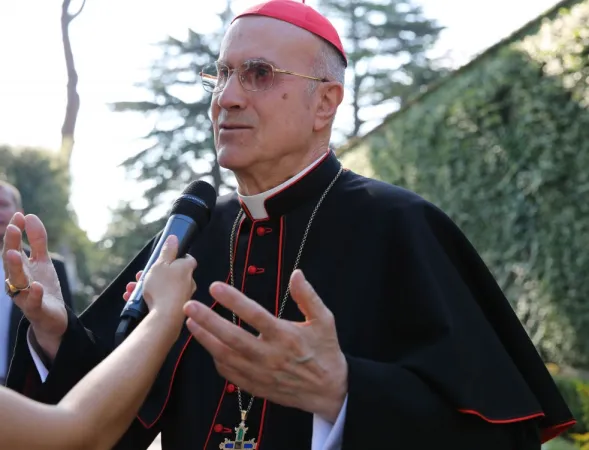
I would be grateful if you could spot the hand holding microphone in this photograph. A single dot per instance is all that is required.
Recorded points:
(190, 214)
(169, 283)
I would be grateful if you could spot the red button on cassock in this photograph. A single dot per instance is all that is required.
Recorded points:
(231, 388)
(261, 231)
(218, 428)
(252, 270)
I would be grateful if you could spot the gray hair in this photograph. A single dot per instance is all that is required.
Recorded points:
(13, 191)
(328, 64)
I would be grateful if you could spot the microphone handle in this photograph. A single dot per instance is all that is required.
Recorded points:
(125, 328)
(184, 228)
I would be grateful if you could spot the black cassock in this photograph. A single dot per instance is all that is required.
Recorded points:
(436, 355)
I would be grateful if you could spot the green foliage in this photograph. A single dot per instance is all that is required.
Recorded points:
(574, 387)
(503, 147)
(386, 43)
(126, 235)
(180, 147)
(574, 391)
(583, 393)
(44, 185)
(559, 444)
(43, 181)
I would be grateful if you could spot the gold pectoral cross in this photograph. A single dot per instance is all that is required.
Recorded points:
(239, 443)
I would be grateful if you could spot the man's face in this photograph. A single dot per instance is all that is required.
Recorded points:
(7, 209)
(262, 126)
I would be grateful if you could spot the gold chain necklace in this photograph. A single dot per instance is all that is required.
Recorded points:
(241, 429)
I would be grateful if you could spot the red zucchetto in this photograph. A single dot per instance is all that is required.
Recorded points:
(300, 15)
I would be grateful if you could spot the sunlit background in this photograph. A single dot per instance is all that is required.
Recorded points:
(114, 47)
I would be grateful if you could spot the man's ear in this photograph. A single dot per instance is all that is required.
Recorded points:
(330, 94)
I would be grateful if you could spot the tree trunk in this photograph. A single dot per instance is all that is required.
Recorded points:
(68, 127)
(73, 99)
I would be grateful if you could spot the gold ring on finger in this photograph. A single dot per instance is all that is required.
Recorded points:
(12, 290)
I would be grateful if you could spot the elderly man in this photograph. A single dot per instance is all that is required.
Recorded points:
(393, 334)
(10, 315)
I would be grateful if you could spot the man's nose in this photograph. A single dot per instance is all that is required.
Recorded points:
(233, 95)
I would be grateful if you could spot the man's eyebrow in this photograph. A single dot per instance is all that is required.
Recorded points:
(257, 58)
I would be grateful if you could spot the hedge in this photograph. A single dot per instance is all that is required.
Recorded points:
(502, 146)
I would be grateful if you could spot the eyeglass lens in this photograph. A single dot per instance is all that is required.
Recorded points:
(253, 75)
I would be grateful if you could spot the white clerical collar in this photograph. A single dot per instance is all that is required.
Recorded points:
(255, 203)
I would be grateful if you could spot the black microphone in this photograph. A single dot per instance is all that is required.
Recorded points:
(189, 215)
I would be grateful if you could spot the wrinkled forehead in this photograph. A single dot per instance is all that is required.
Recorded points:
(269, 39)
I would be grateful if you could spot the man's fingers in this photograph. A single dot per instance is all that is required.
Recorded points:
(210, 342)
(18, 219)
(12, 239)
(169, 249)
(30, 300)
(15, 270)
(138, 275)
(246, 309)
(218, 349)
(234, 337)
(34, 298)
(13, 234)
(308, 301)
(37, 237)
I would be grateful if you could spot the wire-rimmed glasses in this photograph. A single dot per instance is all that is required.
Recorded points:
(254, 75)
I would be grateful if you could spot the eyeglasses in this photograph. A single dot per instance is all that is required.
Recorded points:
(254, 75)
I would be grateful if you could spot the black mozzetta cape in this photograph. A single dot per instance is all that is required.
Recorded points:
(436, 355)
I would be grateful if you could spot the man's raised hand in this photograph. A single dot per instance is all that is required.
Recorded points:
(42, 303)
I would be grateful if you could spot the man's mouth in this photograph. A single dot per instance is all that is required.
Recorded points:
(234, 126)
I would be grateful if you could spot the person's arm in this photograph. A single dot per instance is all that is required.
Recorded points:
(85, 417)
(98, 410)
(86, 340)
